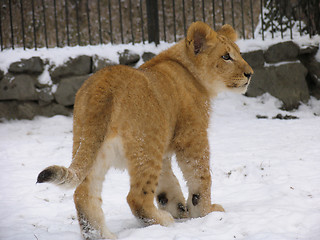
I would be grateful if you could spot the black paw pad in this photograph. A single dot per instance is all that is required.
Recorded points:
(45, 176)
(195, 199)
(162, 198)
(181, 207)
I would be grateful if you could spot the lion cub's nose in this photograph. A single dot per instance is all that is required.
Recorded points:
(248, 75)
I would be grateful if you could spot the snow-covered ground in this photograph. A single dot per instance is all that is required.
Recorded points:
(266, 174)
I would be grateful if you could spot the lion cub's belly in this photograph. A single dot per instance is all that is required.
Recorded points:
(112, 153)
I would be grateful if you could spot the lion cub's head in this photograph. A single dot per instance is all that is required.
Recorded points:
(217, 59)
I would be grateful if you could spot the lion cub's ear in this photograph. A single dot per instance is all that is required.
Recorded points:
(198, 35)
(229, 32)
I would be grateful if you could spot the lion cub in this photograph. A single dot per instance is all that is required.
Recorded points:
(137, 118)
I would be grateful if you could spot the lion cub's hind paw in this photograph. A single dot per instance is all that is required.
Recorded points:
(172, 205)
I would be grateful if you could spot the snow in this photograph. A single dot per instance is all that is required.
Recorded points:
(249, 45)
(265, 174)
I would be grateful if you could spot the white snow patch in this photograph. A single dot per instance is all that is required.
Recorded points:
(45, 78)
(279, 63)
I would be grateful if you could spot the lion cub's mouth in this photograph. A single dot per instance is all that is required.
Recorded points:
(246, 84)
(238, 85)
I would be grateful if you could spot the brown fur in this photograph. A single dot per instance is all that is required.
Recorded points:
(137, 118)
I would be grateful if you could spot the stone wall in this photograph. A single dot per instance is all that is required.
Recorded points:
(284, 70)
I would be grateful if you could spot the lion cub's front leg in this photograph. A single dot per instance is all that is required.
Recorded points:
(194, 163)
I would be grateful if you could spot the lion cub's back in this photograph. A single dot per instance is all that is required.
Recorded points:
(115, 94)
(99, 88)
(109, 78)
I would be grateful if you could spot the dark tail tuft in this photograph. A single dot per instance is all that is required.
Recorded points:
(59, 175)
(46, 175)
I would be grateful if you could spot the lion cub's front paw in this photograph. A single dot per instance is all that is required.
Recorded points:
(157, 217)
(217, 208)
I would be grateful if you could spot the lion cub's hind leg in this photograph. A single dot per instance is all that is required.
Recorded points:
(87, 198)
(144, 169)
(168, 194)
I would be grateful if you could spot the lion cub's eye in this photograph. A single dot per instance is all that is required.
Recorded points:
(226, 57)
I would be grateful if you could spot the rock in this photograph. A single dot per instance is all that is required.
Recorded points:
(314, 86)
(74, 67)
(311, 64)
(260, 82)
(128, 58)
(18, 87)
(1, 74)
(45, 96)
(54, 109)
(67, 89)
(255, 58)
(8, 109)
(99, 63)
(146, 56)
(261, 116)
(32, 65)
(286, 117)
(28, 110)
(285, 82)
(313, 77)
(284, 51)
(309, 50)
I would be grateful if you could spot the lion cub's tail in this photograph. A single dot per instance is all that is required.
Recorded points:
(59, 175)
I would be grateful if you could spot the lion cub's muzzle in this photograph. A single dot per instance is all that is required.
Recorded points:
(241, 82)
(248, 76)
